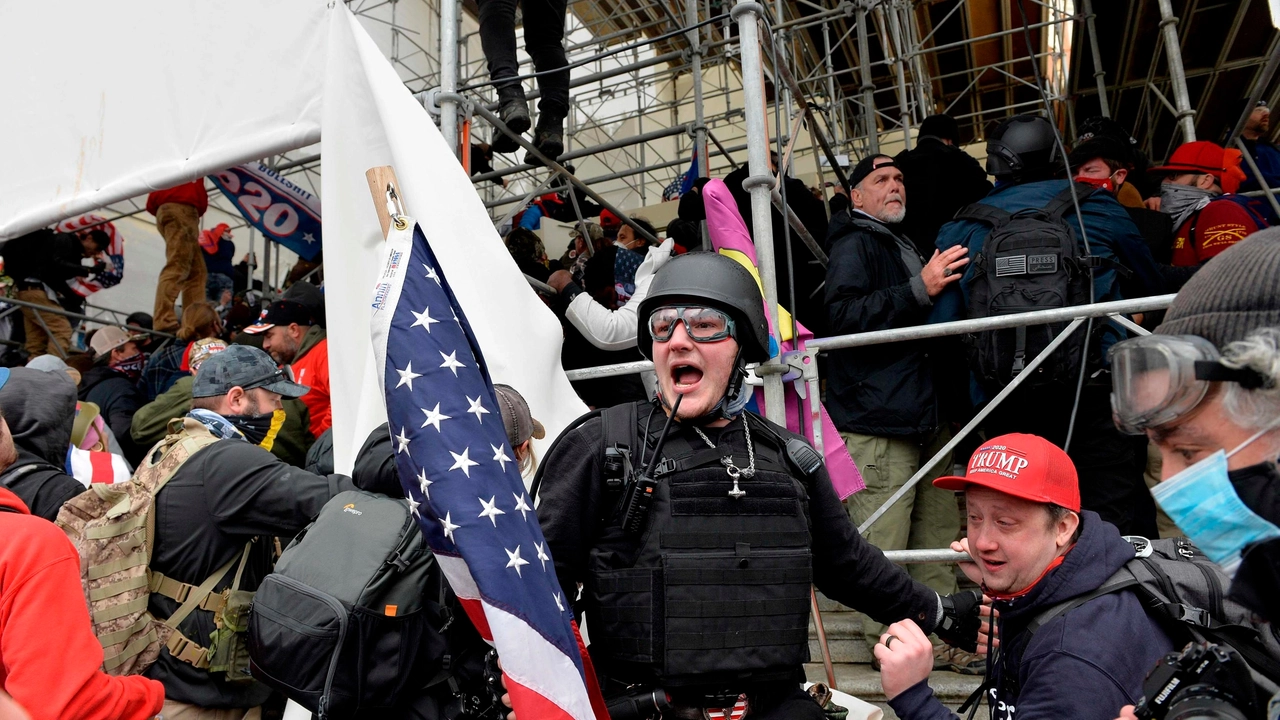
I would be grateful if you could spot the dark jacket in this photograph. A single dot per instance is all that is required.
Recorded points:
(222, 260)
(578, 352)
(807, 270)
(1257, 582)
(118, 398)
(227, 494)
(40, 408)
(44, 256)
(846, 567)
(1084, 664)
(884, 390)
(940, 179)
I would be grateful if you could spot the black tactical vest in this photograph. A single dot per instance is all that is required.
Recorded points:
(715, 589)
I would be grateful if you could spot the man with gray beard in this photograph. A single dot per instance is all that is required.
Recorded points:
(882, 398)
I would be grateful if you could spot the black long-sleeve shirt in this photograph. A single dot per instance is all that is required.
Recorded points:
(846, 568)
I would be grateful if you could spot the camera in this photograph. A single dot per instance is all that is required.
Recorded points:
(483, 702)
(1205, 680)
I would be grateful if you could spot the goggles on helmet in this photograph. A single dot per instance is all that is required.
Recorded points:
(703, 324)
(1157, 379)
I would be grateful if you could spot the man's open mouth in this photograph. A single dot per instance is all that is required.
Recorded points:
(685, 377)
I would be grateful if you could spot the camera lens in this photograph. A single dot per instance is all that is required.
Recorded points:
(1204, 707)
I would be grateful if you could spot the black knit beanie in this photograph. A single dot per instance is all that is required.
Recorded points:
(1234, 294)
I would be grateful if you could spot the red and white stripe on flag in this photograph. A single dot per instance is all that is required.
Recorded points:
(93, 466)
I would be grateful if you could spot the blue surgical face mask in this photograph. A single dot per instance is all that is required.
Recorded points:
(1205, 506)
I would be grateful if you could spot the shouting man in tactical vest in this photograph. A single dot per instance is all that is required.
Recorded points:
(216, 513)
(695, 528)
(1035, 548)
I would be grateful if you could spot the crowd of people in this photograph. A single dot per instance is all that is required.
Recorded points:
(699, 599)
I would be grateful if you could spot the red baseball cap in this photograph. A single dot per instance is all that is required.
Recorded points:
(1203, 156)
(1024, 466)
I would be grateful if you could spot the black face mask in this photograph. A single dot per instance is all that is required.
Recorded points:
(1259, 488)
(260, 430)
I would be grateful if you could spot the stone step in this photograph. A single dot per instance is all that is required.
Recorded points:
(844, 638)
(860, 681)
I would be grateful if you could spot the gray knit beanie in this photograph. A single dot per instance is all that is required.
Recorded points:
(1234, 294)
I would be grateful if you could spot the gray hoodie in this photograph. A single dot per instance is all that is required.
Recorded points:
(40, 408)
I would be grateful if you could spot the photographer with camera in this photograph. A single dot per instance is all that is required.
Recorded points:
(1034, 548)
(1205, 388)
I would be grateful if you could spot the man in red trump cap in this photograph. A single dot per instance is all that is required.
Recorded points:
(1198, 190)
(1034, 548)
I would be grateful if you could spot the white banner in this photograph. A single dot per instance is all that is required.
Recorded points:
(371, 119)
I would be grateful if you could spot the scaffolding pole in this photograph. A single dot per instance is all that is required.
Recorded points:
(760, 181)
(1099, 75)
(867, 87)
(899, 64)
(1177, 74)
(1259, 86)
(449, 98)
(695, 61)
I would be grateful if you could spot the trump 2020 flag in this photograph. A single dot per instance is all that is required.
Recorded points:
(464, 487)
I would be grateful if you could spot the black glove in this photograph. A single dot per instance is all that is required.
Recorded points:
(960, 620)
(98, 268)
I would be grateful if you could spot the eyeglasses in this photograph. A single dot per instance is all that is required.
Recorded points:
(703, 324)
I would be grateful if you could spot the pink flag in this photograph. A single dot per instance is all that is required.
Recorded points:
(730, 238)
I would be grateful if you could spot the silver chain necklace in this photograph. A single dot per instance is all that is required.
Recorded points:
(730, 468)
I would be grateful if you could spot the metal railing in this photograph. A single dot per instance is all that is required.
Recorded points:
(803, 362)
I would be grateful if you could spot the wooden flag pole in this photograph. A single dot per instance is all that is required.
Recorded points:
(385, 189)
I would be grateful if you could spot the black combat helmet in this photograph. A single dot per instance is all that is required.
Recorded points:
(1023, 148)
(715, 281)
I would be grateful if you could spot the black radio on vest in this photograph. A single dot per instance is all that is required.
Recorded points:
(639, 492)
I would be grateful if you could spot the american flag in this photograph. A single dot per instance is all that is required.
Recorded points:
(464, 486)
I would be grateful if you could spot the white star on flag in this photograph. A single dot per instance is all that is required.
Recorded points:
(431, 273)
(434, 416)
(522, 506)
(477, 409)
(407, 375)
(558, 603)
(308, 237)
(462, 461)
(500, 456)
(515, 561)
(403, 441)
(491, 510)
(542, 555)
(451, 362)
(449, 527)
(424, 483)
(423, 319)
(413, 504)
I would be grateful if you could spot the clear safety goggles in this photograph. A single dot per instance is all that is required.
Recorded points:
(1156, 379)
(703, 324)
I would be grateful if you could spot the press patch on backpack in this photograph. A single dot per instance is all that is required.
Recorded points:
(1011, 265)
(1042, 264)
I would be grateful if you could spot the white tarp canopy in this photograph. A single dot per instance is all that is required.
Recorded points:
(144, 97)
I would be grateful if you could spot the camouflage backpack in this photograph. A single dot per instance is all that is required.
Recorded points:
(113, 529)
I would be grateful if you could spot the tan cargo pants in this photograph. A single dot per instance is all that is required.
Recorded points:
(925, 518)
(184, 272)
(40, 342)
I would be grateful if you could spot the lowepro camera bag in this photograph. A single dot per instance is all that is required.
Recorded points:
(1187, 593)
(352, 619)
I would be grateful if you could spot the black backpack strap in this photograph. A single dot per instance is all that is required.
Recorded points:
(1122, 580)
(537, 476)
(983, 213)
(1062, 203)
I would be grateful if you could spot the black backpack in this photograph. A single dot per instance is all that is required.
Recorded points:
(1032, 260)
(1186, 592)
(353, 618)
